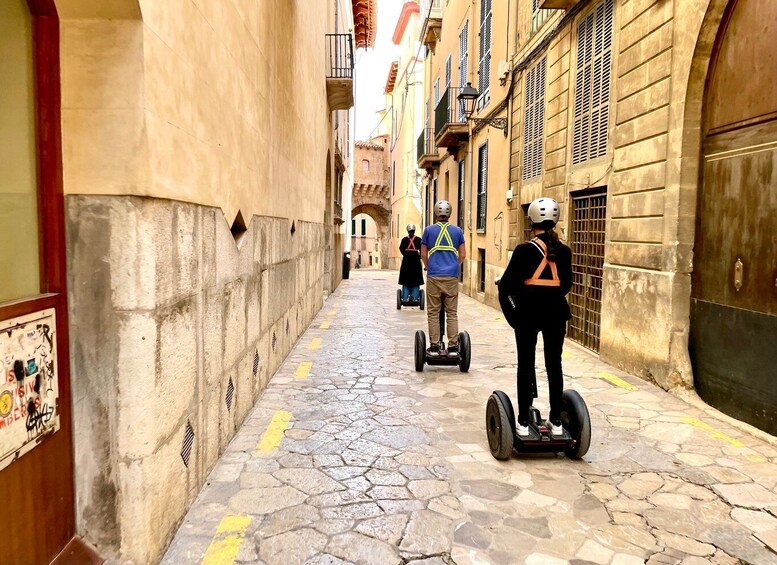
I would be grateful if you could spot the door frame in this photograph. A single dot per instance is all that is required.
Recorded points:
(48, 466)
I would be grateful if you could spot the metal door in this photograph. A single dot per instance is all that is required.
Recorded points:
(733, 338)
(588, 216)
(36, 448)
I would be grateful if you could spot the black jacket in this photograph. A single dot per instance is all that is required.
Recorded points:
(411, 272)
(535, 305)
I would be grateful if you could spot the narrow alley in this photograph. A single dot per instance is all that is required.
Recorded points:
(350, 456)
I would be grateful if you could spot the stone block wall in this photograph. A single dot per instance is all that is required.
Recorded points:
(169, 310)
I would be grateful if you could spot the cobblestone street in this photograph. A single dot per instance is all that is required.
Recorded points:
(351, 456)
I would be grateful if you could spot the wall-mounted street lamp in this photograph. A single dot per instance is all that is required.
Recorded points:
(468, 98)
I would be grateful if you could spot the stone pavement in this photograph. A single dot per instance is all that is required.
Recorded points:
(350, 456)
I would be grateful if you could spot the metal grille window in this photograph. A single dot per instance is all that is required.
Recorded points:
(592, 84)
(484, 68)
(534, 121)
(482, 186)
(585, 299)
(463, 61)
(538, 15)
(461, 195)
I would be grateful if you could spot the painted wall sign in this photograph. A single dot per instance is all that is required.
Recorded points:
(28, 383)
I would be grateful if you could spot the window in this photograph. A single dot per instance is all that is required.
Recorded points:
(592, 83)
(463, 62)
(365, 165)
(482, 186)
(353, 226)
(448, 70)
(461, 194)
(364, 226)
(484, 68)
(538, 16)
(481, 270)
(534, 121)
(436, 91)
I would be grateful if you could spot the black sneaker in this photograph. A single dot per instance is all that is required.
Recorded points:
(453, 350)
(433, 351)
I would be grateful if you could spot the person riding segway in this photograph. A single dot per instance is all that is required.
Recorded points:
(442, 252)
(532, 294)
(411, 275)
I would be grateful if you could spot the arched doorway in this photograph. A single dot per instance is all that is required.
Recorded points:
(381, 218)
(36, 444)
(734, 281)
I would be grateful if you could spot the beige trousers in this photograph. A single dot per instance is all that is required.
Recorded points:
(442, 290)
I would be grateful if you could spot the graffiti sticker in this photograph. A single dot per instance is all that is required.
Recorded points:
(28, 383)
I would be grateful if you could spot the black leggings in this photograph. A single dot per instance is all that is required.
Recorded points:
(526, 341)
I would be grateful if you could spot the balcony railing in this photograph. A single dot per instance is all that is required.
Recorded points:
(450, 124)
(339, 72)
(431, 14)
(428, 157)
(431, 7)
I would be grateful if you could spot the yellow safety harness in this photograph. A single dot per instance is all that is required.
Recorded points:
(536, 280)
(444, 241)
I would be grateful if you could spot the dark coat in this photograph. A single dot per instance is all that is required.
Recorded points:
(411, 272)
(535, 305)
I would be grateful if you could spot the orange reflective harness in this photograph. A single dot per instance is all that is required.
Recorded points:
(536, 280)
(411, 245)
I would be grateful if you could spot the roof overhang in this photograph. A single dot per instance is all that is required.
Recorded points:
(364, 22)
(392, 77)
(408, 10)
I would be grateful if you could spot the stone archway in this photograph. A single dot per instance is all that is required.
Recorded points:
(380, 216)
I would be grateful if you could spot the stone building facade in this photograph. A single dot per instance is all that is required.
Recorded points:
(371, 197)
(194, 177)
(616, 112)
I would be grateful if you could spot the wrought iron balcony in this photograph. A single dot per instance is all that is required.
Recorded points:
(428, 157)
(339, 77)
(558, 4)
(450, 123)
(431, 28)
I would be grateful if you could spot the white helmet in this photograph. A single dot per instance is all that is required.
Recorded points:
(410, 227)
(442, 208)
(543, 210)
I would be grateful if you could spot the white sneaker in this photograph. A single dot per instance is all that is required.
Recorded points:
(522, 431)
(557, 431)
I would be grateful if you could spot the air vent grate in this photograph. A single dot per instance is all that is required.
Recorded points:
(230, 394)
(256, 362)
(274, 341)
(188, 443)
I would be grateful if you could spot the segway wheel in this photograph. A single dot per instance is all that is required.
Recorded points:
(420, 350)
(422, 300)
(498, 426)
(399, 299)
(575, 418)
(465, 352)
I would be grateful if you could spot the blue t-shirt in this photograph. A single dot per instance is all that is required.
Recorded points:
(443, 263)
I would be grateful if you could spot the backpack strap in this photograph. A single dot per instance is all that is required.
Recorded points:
(536, 280)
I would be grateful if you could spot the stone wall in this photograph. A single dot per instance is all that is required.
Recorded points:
(167, 310)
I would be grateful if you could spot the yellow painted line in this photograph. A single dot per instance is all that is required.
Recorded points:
(272, 436)
(224, 547)
(567, 355)
(717, 434)
(303, 370)
(325, 325)
(617, 381)
(757, 459)
(332, 313)
(315, 343)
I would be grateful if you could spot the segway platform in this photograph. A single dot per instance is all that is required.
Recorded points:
(503, 439)
(461, 357)
(421, 303)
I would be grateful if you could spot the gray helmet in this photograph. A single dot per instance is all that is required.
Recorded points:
(543, 210)
(410, 227)
(442, 208)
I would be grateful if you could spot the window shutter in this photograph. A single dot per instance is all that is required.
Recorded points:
(448, 72)
(592, 83)
(534, 121)
(484, 67)
(463, 62)
(482, 186)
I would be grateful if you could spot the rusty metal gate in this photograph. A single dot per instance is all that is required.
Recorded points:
(585, 299)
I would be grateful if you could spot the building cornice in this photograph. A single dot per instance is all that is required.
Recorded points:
(408, 10)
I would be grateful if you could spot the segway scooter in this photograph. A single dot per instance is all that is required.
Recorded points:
(502, 439)
(421, 302)
(460, 358)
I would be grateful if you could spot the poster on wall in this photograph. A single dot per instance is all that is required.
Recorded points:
(29, 390)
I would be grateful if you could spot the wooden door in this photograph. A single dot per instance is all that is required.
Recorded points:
(36, 460)
(589, 213)
(733, 340)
